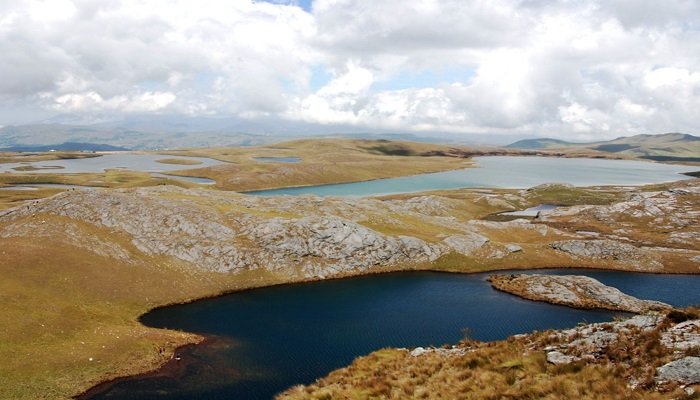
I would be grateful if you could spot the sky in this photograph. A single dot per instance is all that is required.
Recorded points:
(571, 69)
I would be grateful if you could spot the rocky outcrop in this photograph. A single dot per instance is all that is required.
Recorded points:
(685, 371)
(682, 337)
(672, 213)
(574, 291)
(467, 243)
(343, 245)
(187, 226)
(313, 237)
(453, 351)
(608, 250)
(588, 342)
(623, 353)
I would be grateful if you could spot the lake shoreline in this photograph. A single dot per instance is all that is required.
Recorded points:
(482, 173)
(169, 367)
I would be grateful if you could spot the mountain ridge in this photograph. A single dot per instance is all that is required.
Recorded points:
(671, 146)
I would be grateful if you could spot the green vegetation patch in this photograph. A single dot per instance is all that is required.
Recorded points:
(179, 161)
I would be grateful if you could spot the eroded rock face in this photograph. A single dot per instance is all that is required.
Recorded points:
(686, 371)
(573, 290)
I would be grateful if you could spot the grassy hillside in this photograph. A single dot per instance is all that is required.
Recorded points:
(664, 147)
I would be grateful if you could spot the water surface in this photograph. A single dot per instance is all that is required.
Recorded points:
(272, 338)
(130, 161)
(506, 172)
(288, 160)
(18, 188)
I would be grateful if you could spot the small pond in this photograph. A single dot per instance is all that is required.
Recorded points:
(287, 160)
(266, 340)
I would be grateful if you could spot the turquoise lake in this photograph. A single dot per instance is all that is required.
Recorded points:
(506, 172)
(266, 340)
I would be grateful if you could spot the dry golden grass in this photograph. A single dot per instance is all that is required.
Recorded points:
(515, 368)
(63, 306)
(179, 161)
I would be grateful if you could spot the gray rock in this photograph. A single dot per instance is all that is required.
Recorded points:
(513, 248)
(686, 371)
(187, 226)
(557, 358)
(418, 351)
(467, 243)
(573, 290)
(606, 249)
(683, 336)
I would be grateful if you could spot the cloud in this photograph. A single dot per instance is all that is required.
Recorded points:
(580, 70)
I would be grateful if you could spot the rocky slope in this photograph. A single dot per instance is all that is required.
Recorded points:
(173, 222)
(574, 291)
(310, 237)
(643, 357)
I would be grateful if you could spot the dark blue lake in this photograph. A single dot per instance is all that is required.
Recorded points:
(266, 340)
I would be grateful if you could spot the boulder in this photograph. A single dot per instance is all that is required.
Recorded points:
(685, 371)
(466, 243)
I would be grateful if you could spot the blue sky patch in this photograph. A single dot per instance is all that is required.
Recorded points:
(426, 78)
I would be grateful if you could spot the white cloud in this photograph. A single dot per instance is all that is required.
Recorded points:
(583, 69)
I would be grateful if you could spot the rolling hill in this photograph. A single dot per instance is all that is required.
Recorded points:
(663, 147)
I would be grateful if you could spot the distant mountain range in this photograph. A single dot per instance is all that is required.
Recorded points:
(52, 135)
(170, 132)
(67, 146)
(663, 147)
